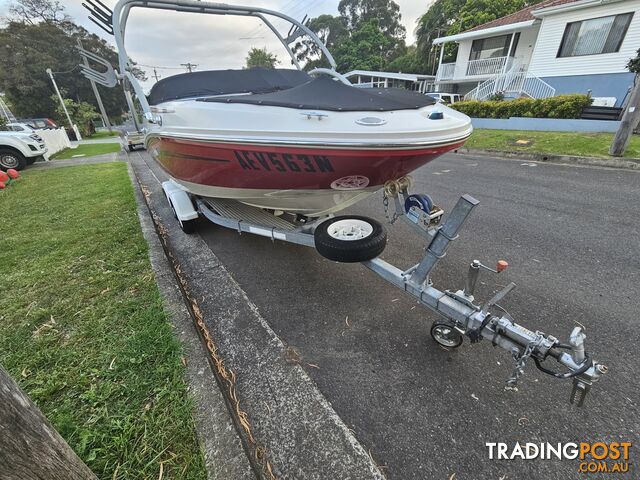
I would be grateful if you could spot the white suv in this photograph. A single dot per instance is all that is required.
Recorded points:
(19, 149)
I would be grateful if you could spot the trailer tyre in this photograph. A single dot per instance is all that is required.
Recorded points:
(188, 226)
(350, 239)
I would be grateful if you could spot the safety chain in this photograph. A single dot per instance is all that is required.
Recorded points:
(512, 381)
(385, 201)
(391, 189)
(225, 374)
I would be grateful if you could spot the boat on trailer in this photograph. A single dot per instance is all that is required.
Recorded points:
(276, 153)
(284, 140)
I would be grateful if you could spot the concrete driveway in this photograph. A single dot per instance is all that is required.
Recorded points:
(572, 238)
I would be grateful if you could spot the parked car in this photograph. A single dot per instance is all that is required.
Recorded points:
(19, 149)
(39, 123)
(19, 127)
(446, 98)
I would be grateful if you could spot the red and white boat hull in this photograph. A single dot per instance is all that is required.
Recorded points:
(311, 180)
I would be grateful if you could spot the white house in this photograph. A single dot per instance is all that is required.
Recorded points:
(552, 48)
(410, 81)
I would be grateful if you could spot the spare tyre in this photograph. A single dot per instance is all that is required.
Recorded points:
(350, 239)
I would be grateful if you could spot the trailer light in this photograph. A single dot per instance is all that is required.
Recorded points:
(501, 266)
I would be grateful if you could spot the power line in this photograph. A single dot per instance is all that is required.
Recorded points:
(158, 66)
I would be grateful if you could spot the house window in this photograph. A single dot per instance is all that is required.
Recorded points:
(493, 47)
(594, 36)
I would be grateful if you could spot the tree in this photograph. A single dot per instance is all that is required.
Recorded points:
(35, 11)
(331, 31)
(410, 62)
(82, 114)
(634, 64)
(260, 57)
(366, 49)
(386, 12)
(373, 25)
(28, 49)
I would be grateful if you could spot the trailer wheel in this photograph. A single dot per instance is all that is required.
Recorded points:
(132, 148)
(188, 226)
(350, 239)
(446, 336)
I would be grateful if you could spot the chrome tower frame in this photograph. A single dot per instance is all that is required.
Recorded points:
(123, 8)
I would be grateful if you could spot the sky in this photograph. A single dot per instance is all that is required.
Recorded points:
(167, 39)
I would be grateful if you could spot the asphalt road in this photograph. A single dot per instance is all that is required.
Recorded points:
(572, 238)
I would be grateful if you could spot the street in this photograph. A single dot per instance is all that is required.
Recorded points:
(571, 236)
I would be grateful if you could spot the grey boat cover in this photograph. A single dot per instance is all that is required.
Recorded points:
(225, 82)
(324, 93)
(283, 88)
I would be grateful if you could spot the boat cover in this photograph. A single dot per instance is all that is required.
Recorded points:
(324, 93)
(225, 82)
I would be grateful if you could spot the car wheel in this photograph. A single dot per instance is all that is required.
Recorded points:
(10, 159)
(350, 239)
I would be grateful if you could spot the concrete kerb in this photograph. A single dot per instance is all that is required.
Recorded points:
(287, 426)
(613, 162)
(223, 451)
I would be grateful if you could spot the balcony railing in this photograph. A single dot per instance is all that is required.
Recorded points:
(487, 66)
(446, 71)
(474, 68)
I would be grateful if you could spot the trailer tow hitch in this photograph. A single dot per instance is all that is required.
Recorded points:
(461, 314)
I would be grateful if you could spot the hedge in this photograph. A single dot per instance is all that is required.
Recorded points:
(562, 106)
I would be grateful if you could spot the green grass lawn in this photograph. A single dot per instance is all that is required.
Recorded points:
(103, 134)
(87, 150)
(82, 325)
(562, 143)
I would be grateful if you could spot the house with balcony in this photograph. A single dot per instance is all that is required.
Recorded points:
(551, 48)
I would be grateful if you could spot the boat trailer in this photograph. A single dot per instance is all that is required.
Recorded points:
(461, 314)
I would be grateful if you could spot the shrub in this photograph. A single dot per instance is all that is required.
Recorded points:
(562, 106)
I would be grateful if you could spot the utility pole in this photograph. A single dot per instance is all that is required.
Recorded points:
(155, 74)
(189, 66)
(64, 107)
(103, 112)
(630, 120)
(30, 447)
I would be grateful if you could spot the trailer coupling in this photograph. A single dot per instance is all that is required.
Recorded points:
(462, 314)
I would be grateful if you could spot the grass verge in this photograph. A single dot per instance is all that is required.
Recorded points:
(82, 325)
(103, 134)
(87, 150)
(559, 143)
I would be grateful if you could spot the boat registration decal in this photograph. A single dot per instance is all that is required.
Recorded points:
(283, 162)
